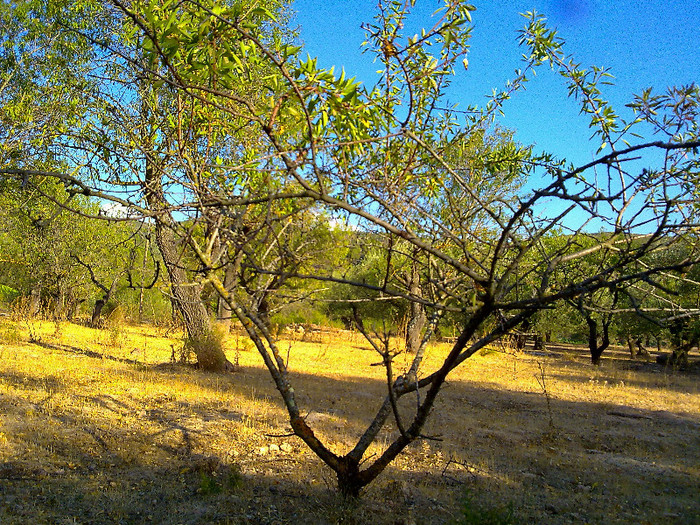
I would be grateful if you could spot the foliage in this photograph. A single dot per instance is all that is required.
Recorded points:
(7, 294)
(63, 258)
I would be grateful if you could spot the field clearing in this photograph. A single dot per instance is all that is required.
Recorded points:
(98, 426)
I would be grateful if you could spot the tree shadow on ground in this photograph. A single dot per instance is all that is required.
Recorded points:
(87, 353)
(618, 366)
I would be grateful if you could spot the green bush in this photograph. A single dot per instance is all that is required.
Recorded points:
(7, 294)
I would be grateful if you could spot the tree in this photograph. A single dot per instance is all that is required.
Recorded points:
(587, 305)
(56, 257)
(37, 239)
(111, 259)
(642, 309)
(382, 158)
(121, 131)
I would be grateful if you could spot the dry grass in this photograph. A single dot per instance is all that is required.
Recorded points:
(98, 426)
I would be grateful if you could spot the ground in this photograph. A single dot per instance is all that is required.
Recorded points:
(98, 427)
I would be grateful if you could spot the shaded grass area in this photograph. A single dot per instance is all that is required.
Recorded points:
(102, 429)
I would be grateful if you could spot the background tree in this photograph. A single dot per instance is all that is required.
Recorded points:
(37, 242)
(127, 133)
(596, 310)
(57, 258)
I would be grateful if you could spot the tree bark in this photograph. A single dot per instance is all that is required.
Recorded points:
(188, 301)
(224, 312)
(186, 296)
(350, 482)
(97, 313)
(417, 317)
(595, 348)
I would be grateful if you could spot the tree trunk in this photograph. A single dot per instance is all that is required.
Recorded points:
(595, 348)
(593, 340)
(264, 311)
(95, 321)
(539, 342)
(224, 312)
(350, 482)
(97, 312)
(417, 318)
(186, 297)
(187, 300)
(521, 340)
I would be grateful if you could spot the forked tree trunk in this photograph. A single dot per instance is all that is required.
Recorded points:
(349, 480)
(595, 348)
(95, 319)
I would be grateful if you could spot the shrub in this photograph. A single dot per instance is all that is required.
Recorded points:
(7, 294)
(23, 312)
(195, 348)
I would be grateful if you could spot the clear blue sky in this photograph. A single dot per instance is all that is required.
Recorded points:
(645, 43)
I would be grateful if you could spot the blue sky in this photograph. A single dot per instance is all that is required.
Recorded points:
(644, 43)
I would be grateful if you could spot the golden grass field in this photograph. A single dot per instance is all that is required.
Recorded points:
(99, 427)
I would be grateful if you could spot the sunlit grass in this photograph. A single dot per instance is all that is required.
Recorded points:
(101, 427)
